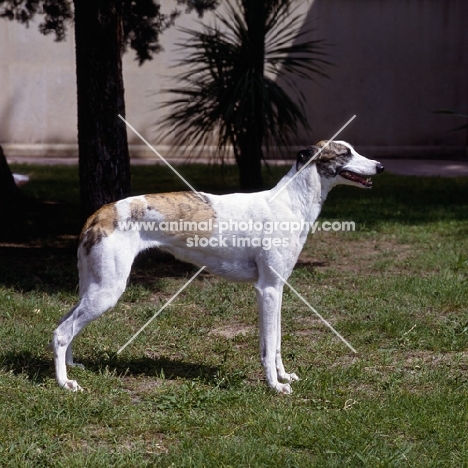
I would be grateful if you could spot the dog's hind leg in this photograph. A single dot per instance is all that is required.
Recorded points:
(91, 306)
(61, 343)
(69, 352)
(103, 277)
(69, 358)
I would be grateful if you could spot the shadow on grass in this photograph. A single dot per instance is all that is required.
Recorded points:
(35, 367)
(39, 368)
(53, 269)
(149, 367)
(45, 269)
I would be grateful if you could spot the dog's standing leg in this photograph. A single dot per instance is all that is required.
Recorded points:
(282, 374)
(90, 307)
(69, 352)
(101, 285)
(61, 346)
(269, 302)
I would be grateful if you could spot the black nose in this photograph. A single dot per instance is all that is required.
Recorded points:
(379, 168)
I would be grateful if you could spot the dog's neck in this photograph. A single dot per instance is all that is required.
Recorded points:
(307, 191)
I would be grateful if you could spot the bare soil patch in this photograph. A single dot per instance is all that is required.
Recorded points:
(359, 256)
(232, 330)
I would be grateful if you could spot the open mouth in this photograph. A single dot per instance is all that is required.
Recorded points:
(352, 176)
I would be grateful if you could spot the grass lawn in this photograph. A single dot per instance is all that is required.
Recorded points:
(190, 391)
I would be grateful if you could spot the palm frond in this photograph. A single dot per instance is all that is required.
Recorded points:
(219, 92)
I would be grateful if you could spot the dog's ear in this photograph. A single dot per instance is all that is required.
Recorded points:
(305, 155)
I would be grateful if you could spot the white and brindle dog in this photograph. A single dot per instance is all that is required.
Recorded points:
(106, 251)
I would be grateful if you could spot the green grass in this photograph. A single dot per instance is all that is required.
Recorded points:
(190, 391)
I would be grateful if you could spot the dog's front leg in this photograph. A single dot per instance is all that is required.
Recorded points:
(269, 303)
(281, 372)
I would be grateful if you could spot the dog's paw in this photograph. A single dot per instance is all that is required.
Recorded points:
(71, 385)
(283, 388)
(288, 378)
(293, 377)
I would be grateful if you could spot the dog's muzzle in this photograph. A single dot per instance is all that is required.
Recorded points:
(364, 180)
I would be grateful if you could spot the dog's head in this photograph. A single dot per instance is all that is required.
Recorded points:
(340, 163)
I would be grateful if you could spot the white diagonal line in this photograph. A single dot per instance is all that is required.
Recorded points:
(314, 311)
(313, 158)
(159, 155)
(161, 309)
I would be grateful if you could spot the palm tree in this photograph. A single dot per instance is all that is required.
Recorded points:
(228, 86)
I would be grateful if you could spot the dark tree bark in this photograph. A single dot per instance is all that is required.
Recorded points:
(102, 136)
(250, 146)
(8, 187)
(249, 162)
(12, 206)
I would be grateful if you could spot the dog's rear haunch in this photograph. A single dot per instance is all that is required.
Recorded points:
(115, 234)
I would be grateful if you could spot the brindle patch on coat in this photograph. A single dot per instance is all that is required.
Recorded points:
(185, 209)
(137, 209)
(99, 225)
(332, 158)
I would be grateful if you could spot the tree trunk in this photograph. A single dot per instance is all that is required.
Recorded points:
(249, 163)
(12, 205)
(104, 162)
(8, 187)
(250, 149)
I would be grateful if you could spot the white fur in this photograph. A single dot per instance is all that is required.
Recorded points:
(105, 267)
